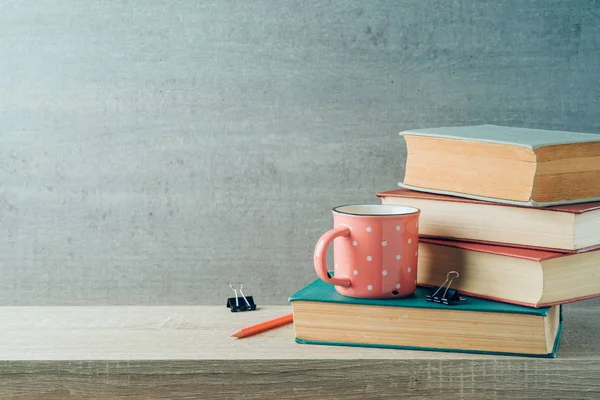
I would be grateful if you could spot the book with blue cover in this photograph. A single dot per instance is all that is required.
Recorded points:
(323, 316)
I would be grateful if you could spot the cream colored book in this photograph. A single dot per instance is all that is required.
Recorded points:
(529, 277)
(565, 228)
(505, 164)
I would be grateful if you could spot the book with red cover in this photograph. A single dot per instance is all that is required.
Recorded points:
(530, 277)
(568, 228)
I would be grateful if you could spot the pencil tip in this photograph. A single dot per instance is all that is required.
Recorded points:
(236, 335)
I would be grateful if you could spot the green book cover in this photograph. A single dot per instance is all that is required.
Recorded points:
(319, 291)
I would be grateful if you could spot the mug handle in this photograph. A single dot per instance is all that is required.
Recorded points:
(320, 257)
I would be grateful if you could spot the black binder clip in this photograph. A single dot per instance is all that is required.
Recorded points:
(449, 296)
(235, 304)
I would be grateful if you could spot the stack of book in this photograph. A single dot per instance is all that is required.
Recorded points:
(516, 212)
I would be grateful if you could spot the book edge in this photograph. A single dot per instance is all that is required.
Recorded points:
(435, 349)
(392, 193)
(514, 245)
(552, 354)
(529, 204)
(464, 245)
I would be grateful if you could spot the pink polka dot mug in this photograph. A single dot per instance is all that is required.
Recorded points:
(375, 251)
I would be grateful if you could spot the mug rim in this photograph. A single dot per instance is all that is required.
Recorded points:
(413, 210)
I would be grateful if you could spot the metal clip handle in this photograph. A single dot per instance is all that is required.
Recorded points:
(447, 281)
(237, 304)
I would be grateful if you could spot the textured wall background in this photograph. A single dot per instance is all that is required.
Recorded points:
(151, 152)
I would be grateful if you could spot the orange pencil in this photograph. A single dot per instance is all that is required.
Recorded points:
(263, 326)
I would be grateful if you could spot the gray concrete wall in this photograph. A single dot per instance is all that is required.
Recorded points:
(151, 152)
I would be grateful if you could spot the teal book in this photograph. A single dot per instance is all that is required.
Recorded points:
(322, 316)
(511, 165)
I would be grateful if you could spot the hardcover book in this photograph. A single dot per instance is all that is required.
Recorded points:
(566, 228)
(323, 316)
(529, 277)
(530, 167)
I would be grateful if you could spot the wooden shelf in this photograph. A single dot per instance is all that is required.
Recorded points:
(149, 352)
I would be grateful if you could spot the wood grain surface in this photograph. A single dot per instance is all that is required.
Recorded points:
(186, 352)
(306, 379)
